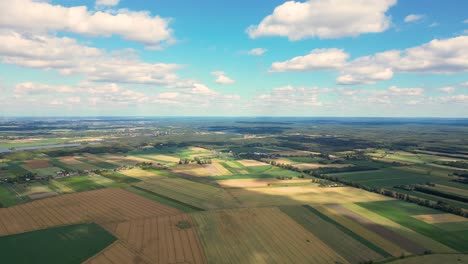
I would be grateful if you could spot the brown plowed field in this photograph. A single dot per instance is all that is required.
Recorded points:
(37, 164)
(100, 206)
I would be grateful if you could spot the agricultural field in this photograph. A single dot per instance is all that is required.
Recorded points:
(165, 239)
(179, 191)
(189, 192)
(387, 177)
(297, 195)
(245, 236)
(100, 206)
(353, 250)
(406, 214)
(77, 243)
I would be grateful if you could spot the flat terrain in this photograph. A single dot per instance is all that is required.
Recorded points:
(77, 243)
(245, 236)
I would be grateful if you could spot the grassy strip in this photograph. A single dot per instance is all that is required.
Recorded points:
(163, 199)
(349, 232)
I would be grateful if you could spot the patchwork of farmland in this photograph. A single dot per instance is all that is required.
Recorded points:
(228, 209)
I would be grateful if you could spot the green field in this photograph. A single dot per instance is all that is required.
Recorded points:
(7, 197)
(80, 183)
(264, 172)
(387, 177)
(189, 192)
(67, 244)
(401, 212)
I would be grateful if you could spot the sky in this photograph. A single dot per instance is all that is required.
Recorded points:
(365, 58)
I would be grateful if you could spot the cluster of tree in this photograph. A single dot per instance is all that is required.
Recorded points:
(94, 149)
(145, 165)
(441, 194)
(456, 164)
(23, 178)
(463, 174)
(201, 161)
(284, 177)
(326, 170)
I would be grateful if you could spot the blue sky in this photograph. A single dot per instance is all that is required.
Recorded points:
(234, 58)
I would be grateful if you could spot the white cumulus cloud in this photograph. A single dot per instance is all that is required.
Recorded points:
(222, 78)
(324, 19)
(41, 17)
(413, 18)
(257, 51)
(107, 2)
(317, 59)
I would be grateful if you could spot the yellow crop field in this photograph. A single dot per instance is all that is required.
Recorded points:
(294, 195)
(141, 174)
(251, 163)
(163, 158)
(117, 253)
(259, 235)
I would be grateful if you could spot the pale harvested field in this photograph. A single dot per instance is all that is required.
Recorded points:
(251, 163)
(159, 240)
(388, 246)
(254, 183)
(141, 174)
(191, 169)
(422, 240)
(163, 158)
(284, 161)
(259, 235)
(117, 253)
(440, 218)
(198, 149)
(221, 170)
(100, 206)
(37, 164)
(271, 196)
